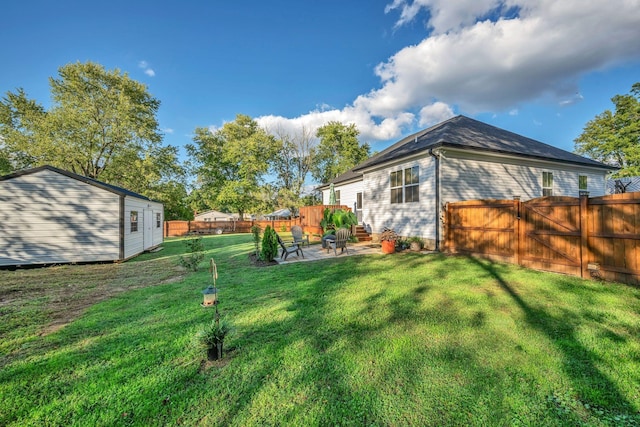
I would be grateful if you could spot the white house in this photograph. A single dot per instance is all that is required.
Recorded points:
(406, 186)
(51, 216)
(214, 215)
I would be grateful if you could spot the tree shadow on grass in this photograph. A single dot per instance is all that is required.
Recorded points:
(579, 363)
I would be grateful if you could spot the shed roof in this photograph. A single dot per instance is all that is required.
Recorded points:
(112, 188)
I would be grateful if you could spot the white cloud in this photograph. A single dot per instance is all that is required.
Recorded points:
(577, 97)
(435, 113)
(167, 130)
(147, 70)
(514, 112)
(486, 56)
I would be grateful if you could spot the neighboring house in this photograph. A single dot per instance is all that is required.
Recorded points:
(406, 186)
(215, 216)
(51, 216)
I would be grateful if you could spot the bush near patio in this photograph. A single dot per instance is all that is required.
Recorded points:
(364, 340)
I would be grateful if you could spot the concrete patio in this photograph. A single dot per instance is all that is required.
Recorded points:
(315, 252)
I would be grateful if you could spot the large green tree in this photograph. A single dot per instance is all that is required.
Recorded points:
(338, 151)
(102, 124)
(22, 122)
(613, 137)
(292, 165)
(231, 163)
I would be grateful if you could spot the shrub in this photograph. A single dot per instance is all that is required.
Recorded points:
(337, 219)
(195, 255)
(269, 244)
(212, 333)
(255, 231)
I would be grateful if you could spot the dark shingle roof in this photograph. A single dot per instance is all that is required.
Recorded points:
(463, 132)
(347, 176)
(112, 188)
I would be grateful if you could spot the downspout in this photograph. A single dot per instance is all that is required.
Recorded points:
(437, 160)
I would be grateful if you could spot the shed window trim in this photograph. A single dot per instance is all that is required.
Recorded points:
(133, 221)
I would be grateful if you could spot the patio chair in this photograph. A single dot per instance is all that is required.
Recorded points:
(298, 236)
(286, 250)
(342, 236)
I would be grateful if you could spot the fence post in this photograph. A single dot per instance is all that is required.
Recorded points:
(584, 235)
(448, 238)
(516, 230)
(522, 230)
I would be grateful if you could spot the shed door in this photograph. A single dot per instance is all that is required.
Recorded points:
(148, 228)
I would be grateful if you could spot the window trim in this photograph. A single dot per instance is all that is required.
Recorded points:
(547, 183)
(586, 183)
(415, 183)
(158, 220)
(133, 221)
(403, 181)
(396, 189)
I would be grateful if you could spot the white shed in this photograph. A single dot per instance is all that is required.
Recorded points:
(51, 216)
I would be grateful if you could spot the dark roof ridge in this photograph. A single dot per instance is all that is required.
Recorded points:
(465, 132)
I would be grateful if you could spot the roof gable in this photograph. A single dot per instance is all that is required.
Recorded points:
(112, 188)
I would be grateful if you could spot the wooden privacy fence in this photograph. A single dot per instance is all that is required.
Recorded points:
(310, 216)
(585, 237)
(309, 220)
(182, 228)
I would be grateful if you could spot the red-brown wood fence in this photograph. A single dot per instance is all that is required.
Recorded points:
(585, 237)
(309, 220)
(310, 216)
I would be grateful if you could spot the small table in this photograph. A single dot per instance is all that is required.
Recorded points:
(328, 237)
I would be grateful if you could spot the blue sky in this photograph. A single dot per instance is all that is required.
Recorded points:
(541, 68)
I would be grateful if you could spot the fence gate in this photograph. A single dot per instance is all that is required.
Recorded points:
(550, 236)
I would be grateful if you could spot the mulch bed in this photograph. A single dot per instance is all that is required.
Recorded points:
(257, 262)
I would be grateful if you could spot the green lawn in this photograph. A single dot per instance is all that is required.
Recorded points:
(385, 340)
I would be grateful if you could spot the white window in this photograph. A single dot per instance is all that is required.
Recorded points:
(582, 183)
(547, 183)
(411, 185)
(133, 220)
(337, 197)
(405, 185)
(158, 220)
(396, 187)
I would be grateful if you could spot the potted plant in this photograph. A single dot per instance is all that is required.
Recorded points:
(212, 336)
(388, 239)
(415, 243)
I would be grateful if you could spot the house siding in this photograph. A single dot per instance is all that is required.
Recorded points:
(347, 193)
(470, 176)
(407, 219)
(46, 217)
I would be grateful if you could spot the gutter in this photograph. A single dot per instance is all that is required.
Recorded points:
(437, 160)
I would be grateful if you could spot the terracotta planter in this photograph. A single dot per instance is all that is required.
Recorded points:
(388, 247)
